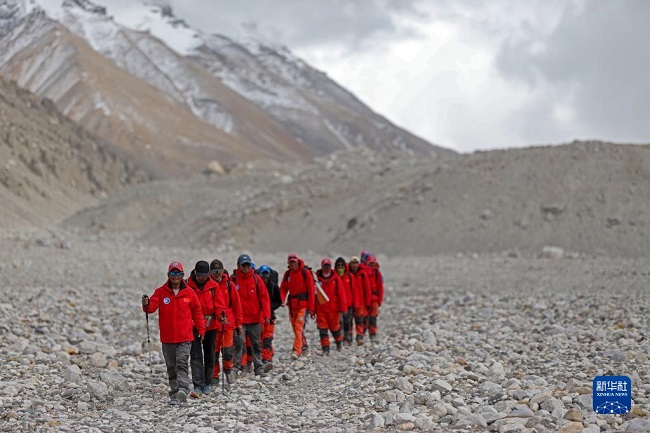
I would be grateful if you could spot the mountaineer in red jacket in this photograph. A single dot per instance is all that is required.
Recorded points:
(298, 284)
(376, 283)
(328, 314)
(363, 267)
(360, 297)
(347, 317)
(202, 356)
(228, 320)
(256, 309)
(180, 311)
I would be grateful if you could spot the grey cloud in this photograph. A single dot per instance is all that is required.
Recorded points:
(298, 24)
(597, 62)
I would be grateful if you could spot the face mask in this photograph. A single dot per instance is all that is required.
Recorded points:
(340, 271)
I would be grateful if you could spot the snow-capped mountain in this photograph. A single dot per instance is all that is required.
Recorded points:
(149, 83)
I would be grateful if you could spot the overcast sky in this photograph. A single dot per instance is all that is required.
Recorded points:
(468, 74)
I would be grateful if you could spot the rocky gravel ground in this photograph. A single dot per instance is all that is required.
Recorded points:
(468, 343)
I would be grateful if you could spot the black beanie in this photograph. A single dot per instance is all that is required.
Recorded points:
(339, 260)
(202, 268)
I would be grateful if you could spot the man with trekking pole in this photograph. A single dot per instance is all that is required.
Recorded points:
(179, 312)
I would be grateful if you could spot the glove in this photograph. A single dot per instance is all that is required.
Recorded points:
(145, 301)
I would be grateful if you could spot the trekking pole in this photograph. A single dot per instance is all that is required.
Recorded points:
(223, 367)
(146, 315)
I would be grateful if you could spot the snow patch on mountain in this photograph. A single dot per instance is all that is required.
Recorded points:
(87, 16)
(159, 22)
(239, 65)
(11, 12)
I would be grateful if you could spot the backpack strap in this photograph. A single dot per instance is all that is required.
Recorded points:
(257, 290)
(376, 292)
(229, 293)
(214, 306)
(339, 289)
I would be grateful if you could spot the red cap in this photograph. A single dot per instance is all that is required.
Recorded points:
(292, 257)
(175, 265)
(371, 259)
(326, 261)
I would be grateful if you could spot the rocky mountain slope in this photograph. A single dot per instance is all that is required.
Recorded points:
(586, 197)
(52, 167)
(45, 57)
(180, 98)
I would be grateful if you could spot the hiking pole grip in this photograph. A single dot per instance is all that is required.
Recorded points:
(145, 303)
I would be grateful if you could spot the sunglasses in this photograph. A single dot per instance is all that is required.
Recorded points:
(340, 266)
(175, 274)
(245, 265)
(216, 271)
(327, 266)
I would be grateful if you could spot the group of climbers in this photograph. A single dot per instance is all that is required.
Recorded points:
(355, 290)
(213, 314)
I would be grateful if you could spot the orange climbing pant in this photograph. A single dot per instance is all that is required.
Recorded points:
(225, 345)
(297, 318)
